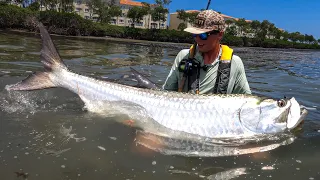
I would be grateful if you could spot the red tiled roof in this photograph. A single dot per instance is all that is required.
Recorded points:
(192, 11)
(131, 3)
(226, 16)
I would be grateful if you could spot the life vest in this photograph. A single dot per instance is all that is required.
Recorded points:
(223, 73)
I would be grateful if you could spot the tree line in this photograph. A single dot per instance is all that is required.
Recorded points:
(70, 23)
(256, 31)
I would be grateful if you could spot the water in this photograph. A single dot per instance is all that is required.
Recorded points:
(48, 135)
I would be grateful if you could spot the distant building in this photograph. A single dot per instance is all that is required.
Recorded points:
(83, 10)
(12, 2)
(146, 23)
(175, 21)
(27, 3)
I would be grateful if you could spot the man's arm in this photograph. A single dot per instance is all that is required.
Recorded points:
(171, 83)
(241, 85)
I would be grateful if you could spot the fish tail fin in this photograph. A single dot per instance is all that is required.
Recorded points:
(50, 57)
(51, 61)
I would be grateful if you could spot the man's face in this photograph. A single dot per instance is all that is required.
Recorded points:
(211, 43)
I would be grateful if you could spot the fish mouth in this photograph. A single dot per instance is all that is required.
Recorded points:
(296, 115)
(299, 121)
(303, 114)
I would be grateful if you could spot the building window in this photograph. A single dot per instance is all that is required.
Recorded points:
(113, 21)
(154, 25)
(86, 10)
(78, 9)
(86, 17)
(121, 21)
(139, 23)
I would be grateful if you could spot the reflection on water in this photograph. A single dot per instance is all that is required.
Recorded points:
(210, 147)
(50, 135)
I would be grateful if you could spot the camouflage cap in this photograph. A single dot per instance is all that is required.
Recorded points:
(206, 21)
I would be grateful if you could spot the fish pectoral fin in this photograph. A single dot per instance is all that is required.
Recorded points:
(38, 80)
(143, 81)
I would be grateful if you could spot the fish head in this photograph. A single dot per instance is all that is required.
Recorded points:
(272, 116)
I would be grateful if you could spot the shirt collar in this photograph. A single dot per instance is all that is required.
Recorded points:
(199, 57)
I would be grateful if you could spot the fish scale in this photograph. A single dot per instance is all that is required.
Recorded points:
(212, 122)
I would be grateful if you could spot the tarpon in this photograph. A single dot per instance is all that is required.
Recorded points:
(213, 116)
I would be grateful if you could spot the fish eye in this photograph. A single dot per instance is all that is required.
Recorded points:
(282, 103)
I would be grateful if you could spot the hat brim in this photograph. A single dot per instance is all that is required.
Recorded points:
(194, 30)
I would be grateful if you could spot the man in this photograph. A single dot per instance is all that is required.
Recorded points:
(211, 61)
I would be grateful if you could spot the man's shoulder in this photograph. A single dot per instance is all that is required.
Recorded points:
(237, 60)
(184, 52)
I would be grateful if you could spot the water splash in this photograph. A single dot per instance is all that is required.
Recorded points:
(18, 102)
(66, 132)
(31, 102)
(54, 141)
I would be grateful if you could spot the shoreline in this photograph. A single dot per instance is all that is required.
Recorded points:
(107, 38)
(135, 41)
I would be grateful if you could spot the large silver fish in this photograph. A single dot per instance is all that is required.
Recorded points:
(213, 116)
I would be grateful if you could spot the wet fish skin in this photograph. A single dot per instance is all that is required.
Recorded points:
(215, 116)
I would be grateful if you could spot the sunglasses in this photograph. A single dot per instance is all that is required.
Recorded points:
(204, 36)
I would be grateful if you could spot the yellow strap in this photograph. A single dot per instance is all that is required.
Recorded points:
(191, 55)
(226, 53)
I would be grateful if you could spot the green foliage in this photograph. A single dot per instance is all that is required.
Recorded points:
(231, 31)
(182, 26)
(65, 5)
(187, 17)
(104, 10)
(136, 14)
(15, 17)
(72, 24)
(159, 14)
(232, 40)
(34, 6)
